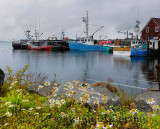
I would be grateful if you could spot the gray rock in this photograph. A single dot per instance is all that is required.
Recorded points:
(94, 93)
(45, 91)
(141, 101)
(2, 75)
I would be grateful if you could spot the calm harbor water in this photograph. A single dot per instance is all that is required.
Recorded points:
(134, 74)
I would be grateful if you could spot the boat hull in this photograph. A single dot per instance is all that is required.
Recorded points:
(85, 47)
(31, 47)
(129, 51)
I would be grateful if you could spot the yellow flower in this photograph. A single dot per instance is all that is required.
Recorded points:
(100, 125)
(155, 107)
(39, 87)
(47, 83)
(133, 111)
(96, 102)
(52, 104)
(150, 101)
(63, 101)
(108, 126)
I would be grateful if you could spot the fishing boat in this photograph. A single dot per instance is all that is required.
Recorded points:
(137, 48)
(22, 43)
(38, 45)
(86, 43)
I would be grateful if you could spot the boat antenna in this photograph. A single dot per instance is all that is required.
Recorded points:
(137, 28)
(85, 20)
(63, 34)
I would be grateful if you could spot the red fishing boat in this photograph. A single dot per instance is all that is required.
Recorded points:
(39, 45)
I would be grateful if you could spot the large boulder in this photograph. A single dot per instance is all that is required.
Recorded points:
(2, 75)
(141, 101)
(91, 95)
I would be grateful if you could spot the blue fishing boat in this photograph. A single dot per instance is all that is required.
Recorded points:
(86, 43)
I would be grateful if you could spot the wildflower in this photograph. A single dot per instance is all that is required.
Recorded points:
(150, 101)
(68, 94)
(76, 120)
(55, 89)
(104, 98)
(19, 90)
(66, 88)
(36, 113)
(11, 105)
(59, 105)
(70, 87)
(54, 94)
(133, 111)
(115, 117)
(51, 100)
(108, 126)
(56, 84)
(150, 114)
(73, 109)
(13, 83)
(96, 102)
(118, 113)
(47, 83)
(38, 107)
(94, 110)
(109, 111)
(25, 100)
(10, 87)
(52, 104)
(5, 124)
(63, 114)
(40, 87)
(155, 107)
(69, 83)
(103, 113)
(132, 104)
(23, 109)
(7, 103)
(63, 101)
(30, 109)
(8, 114)
(100, 125)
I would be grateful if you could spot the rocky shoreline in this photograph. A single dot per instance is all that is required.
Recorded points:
(101, 93)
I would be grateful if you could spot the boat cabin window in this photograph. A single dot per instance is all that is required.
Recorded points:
(133, 42)
(150, 43)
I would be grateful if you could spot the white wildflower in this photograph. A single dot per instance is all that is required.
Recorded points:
(8, 114)
(7, 103)
(150, 101)
(25, 100)
(47, 83)
(40, 87)
(19, 90)
(5, 124)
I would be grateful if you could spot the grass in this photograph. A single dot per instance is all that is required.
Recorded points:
(20, 109)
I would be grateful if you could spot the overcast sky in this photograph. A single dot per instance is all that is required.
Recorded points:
(50, 17)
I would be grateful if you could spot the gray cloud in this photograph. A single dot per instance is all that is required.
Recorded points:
(51, 16)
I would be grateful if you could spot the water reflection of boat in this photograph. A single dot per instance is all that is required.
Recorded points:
(122, 60)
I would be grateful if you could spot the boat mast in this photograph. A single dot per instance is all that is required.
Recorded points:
(85, 20)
